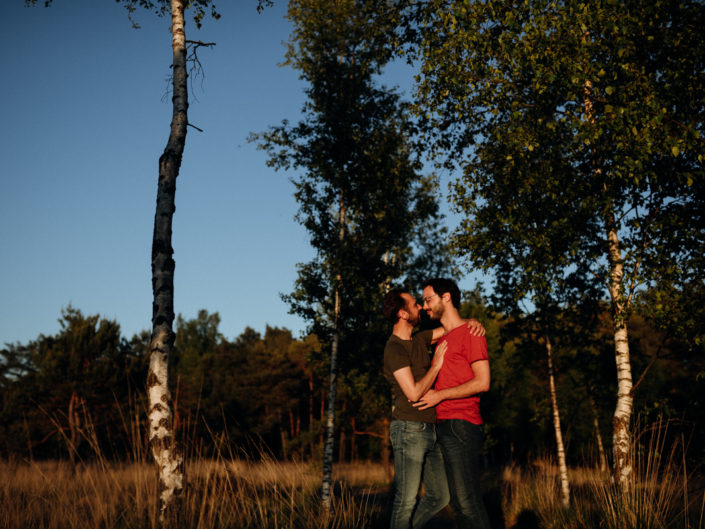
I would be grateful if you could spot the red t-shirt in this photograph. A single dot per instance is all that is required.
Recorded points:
(463, 350)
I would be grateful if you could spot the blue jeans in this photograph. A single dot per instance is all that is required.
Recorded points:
(417, 456)
(461, 443)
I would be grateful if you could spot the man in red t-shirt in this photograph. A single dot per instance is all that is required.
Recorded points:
(464, 375)
(411, 372)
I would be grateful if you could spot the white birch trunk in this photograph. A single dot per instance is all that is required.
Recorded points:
(621, 436)
(560, 449)
(330, 419)
(168, 459)
(330, 413)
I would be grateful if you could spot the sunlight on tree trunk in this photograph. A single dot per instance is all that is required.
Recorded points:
(621, 436)
(330, 414)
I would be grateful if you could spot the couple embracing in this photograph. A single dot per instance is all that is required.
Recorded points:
(436, 430)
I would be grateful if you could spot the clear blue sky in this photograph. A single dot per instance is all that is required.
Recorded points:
(85, 119)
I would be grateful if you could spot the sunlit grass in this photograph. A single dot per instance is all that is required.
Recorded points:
(660, 495)
(231, 491)
(222, 494)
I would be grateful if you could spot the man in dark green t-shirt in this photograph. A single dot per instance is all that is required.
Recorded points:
(411, 373)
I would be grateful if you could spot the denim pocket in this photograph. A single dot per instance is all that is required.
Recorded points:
(466, 432)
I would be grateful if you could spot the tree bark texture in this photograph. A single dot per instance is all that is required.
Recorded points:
(560, 449)
(167, 456)
(327, 481)
(330, 420)
(621, 435)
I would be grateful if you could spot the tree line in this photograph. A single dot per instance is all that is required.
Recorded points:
(81, 392)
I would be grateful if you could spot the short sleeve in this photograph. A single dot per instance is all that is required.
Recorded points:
(396, 356)
(477, 349)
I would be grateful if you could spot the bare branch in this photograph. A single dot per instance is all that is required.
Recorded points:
(196, 68)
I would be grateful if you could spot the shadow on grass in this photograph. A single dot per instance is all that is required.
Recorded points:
(381, 498)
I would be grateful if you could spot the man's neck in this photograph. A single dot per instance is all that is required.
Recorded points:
(451, 319)
(403, 329)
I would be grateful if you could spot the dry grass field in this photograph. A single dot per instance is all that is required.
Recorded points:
(233, 493)
(52, 495)
(272, 495)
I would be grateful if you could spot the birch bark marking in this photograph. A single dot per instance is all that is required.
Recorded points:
(621, 434)
(330, 413)
(330, 420)
(560, 449)
(168, 459)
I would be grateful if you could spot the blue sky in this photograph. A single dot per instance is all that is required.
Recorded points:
(85, 119)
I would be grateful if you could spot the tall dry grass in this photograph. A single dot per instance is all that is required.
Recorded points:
(220, 494)
(230, 491)
(661, 494)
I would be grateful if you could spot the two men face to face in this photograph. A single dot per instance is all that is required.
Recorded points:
(432, 303)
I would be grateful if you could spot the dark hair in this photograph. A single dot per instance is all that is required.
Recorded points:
(392, 303)
(441, 285)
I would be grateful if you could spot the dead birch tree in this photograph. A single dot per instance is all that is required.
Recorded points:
(167, 456)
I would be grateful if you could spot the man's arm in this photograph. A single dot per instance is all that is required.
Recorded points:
(475, 327)
(479, 384)
(412, 389)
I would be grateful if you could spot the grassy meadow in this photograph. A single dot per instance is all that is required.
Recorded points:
(234, 493)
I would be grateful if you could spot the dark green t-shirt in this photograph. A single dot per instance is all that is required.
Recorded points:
(413, 353)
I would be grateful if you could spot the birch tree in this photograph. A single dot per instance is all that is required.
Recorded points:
(168, 457)
(584, 119)
(361, 195)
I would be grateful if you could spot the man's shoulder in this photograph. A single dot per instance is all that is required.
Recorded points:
(397, 353)
(396, 345)
(463, 335)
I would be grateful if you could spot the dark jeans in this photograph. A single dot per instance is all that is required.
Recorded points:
(461, 443)
(417, 456)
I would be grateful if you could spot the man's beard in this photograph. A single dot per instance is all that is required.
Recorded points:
(437, 314)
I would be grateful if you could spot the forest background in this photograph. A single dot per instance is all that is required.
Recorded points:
(576, 137)
(270, 390)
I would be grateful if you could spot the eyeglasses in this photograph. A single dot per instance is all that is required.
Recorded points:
(425, 300)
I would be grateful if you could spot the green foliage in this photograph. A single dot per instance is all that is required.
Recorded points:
(371, 215)
(563, 116)
(570, 122)
(353, 147)
(260, 394)
(252, 388)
